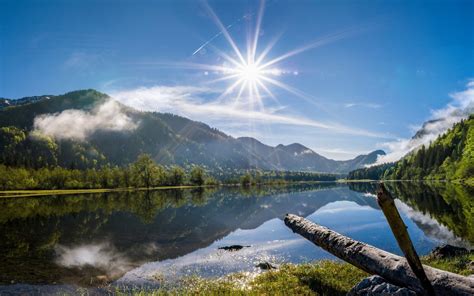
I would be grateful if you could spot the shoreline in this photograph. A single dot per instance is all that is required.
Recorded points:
(44, 192)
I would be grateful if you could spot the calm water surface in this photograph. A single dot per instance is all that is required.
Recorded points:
(138, 238)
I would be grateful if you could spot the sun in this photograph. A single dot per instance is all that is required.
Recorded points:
(252, 75)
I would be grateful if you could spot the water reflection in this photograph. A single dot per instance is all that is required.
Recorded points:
(82, 239)
(444, 211)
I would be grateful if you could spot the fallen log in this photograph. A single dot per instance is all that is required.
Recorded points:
(391, 267)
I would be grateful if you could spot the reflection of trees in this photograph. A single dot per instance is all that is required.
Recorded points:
(452, 205)
(144, 204)
(364, 187)
(170, 223)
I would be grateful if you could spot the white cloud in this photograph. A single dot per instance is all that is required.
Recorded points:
(188, 101)
(441, 120)
(78, 124)
(367, 105)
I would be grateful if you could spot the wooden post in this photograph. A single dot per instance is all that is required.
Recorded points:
(391, 267)
(399, 229)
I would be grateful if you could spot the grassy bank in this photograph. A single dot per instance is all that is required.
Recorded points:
(43, 192)
(39, 192)
(320, 278)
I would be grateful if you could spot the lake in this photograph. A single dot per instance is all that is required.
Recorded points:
(144, 237)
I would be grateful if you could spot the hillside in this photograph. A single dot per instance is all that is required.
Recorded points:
(38, 132)
(449, 157)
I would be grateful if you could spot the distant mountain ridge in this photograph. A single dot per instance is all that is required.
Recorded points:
(4, 102)
(170, 139)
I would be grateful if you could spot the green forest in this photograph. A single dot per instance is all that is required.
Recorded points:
(143, 173)
(449, 157)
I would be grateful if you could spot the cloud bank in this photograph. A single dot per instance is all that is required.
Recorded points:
(78, 124)
(461, 106)
(188, 101)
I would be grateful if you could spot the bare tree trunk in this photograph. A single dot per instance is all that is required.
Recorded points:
(391, 267)
(399, 229)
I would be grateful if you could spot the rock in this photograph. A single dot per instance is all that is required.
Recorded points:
(265, 265)
(233, 248)
(447, 251)
(470, 266)
(376, 285)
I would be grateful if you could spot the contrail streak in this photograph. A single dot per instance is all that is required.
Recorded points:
(221, 32)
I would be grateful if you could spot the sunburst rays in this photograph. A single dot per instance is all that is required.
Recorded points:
(251, 75)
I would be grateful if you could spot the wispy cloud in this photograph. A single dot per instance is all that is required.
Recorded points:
(189, 101)
(83, 62)
(366, 105)
(340, 152)
(78, 124)
(441, 120)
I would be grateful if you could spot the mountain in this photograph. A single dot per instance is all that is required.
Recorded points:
(100, 138)
(4, 102)
(298, 157)
(449, 157)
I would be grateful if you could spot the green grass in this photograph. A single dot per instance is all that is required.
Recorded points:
(319, 278)
(458, 264)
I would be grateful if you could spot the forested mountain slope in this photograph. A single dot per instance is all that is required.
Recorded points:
(449, 157)
(168, 138)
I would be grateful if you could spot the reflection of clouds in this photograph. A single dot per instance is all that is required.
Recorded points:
(430, 226)
(367, 194)
(368, 226)
(342, 206)
(209, 262)
(101, 256)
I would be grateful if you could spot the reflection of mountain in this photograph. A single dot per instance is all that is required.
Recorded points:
(451, 205)
(159, 225)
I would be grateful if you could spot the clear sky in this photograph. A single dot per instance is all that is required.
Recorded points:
(370, 71)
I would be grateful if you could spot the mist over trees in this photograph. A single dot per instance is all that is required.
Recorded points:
(449, 157)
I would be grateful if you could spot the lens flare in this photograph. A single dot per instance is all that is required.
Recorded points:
(252, 74)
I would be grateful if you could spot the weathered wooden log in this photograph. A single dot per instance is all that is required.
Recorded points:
(391, 267)
(399, 229)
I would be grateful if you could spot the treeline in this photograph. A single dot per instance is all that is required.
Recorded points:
(144, 172)
(449, 157)
(281, 177)
(376, 172)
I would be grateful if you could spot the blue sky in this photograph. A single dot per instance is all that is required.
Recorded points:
(391, 65)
